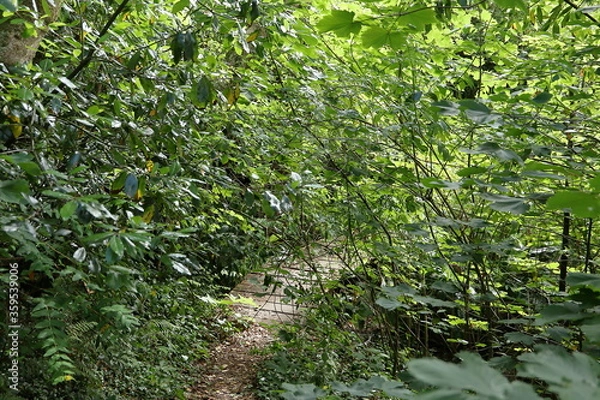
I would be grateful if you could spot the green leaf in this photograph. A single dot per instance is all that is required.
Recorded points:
(360, 387)
(542, 98)
(190, 47)
(518, 337)
(446, 107)
(13, 191)
(513, 205)
(580, 279)
(397, 40)
(471, 171)
(68, 209)
(595, 183)
(254, 11)
(567, 311)
(473, 375)
(203, 92)
(10, 5)
(495, 150)
(80, 254)
(116, 245)
(439, 184)
(176, 260)
(304, 391)
(478, 112)
(57, 195)
(177, 45)
(591, 329)
(571, 376)
(180, 5)
(295, 180)
(390, 304)
(375, 36)
(418, 17)
(339, 22)
(119, 182)
(508, 4)
(25, 94)
(131, 185)
(580, 204)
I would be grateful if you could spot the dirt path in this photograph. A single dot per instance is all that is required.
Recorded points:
(231, 369)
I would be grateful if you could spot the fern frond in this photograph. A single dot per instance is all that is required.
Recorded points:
(79, 330)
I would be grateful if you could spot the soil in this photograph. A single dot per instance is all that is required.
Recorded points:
(230, 372)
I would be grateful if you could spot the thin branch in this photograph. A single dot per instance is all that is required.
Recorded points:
(589, 16)
(85, 62)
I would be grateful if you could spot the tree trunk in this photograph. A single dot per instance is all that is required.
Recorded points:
(16, 47)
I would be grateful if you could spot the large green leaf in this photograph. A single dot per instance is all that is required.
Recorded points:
(567, 311)
(13, 191)
(304, 391)
(479, 112)
(340, 22)
(418, 17)
(473, 375)
(570, 375)
(499, 152)
(365, 388)
(591, 329)
(580, 204)
(513, 205)
(180, 6)
(581, 279)
(375, 36)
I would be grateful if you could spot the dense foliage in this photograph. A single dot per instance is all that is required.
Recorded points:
(442, 151)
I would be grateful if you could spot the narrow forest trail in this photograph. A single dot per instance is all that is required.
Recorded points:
(231, 369)
(230, 372)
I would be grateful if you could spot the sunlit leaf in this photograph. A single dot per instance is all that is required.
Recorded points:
(180, 6)
(507, 4)
(339, 22)
(375, 36)
(418, 17)
(80, 254)
(581, 204)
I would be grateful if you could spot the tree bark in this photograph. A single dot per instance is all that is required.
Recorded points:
(15, 47)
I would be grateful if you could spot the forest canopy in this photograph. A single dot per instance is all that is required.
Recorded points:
(153, 153)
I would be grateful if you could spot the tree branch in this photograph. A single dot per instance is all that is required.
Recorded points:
(575, 7)
(85, 62)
